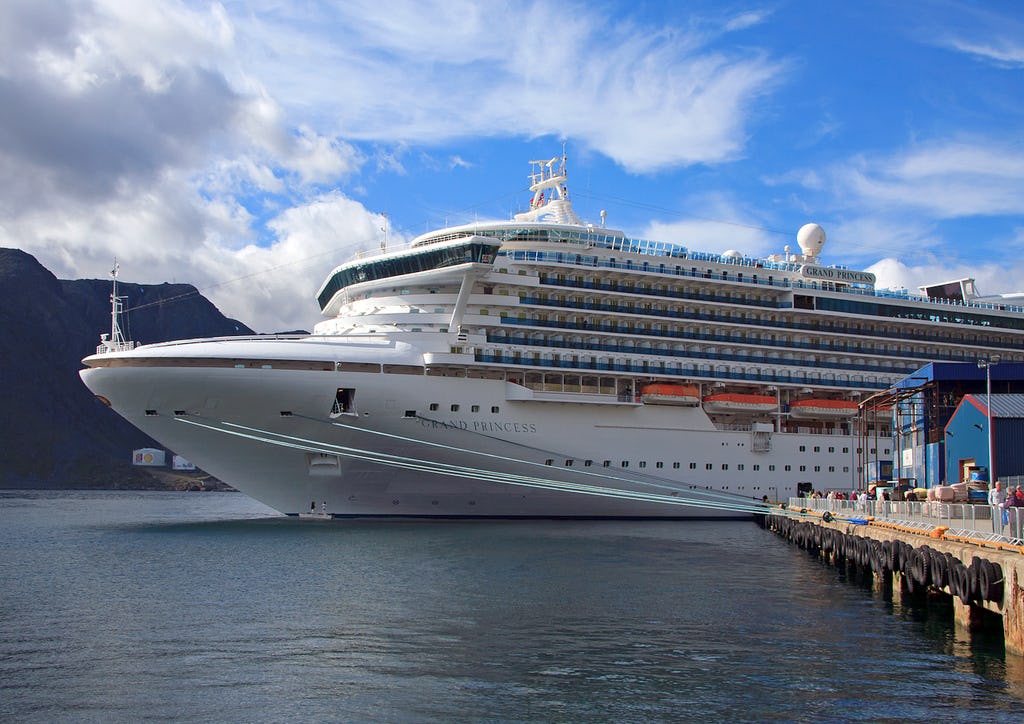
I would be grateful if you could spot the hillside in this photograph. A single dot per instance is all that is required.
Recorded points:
(54, 432)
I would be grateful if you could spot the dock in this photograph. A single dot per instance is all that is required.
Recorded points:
(917, 552)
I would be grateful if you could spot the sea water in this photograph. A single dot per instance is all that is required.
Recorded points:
(128, 606)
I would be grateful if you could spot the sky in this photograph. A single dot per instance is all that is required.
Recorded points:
(250, 147)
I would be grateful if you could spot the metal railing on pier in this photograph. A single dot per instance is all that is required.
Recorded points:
(974, 520)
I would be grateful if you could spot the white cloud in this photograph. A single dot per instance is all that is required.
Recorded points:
(746, 20)
(276, 283)
(943, 180)
(1002, 52)
(429, 72)
(946, 181)
(707, 229)
(990, 278)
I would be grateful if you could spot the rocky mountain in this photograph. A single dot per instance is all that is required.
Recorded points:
(53, 432)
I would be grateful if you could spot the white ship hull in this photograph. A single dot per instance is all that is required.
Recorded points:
(391, 455)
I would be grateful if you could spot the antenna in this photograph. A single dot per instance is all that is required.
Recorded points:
(115, 341)
(384, 242)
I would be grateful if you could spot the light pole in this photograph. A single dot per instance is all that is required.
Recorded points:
(987, 364)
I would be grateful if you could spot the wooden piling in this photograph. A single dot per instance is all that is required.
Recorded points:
(970, 555)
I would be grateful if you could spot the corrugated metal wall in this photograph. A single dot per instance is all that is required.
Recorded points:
(1008, 446)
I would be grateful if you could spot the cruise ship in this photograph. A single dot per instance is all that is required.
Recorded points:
(546, 367)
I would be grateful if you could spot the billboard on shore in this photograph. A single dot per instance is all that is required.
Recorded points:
(149, 457)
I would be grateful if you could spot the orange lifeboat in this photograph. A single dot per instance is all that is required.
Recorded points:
(737, 403)
(670, 393)
(822, 409)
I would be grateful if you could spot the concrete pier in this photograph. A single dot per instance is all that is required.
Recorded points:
(978, 574)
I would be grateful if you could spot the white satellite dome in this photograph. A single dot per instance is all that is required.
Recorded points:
(811, 239)
(731, 254)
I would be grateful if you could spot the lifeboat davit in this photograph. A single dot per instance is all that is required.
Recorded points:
(737, 403)
(669, 393)
(822, 409)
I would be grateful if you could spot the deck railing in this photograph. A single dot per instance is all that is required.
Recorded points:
(977, 520)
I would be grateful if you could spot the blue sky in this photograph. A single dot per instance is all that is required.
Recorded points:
(249, 147)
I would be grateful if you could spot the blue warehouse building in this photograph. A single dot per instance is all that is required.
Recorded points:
(933, 448)
(966, 436)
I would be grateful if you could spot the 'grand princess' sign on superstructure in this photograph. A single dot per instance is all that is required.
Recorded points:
(831, 274)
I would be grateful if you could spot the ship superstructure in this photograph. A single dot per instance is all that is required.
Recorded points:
(543, 366)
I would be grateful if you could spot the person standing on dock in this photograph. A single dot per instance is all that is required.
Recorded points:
(1013, 511)
(996, 498)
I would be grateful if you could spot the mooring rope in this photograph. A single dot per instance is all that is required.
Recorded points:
(651, 481)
